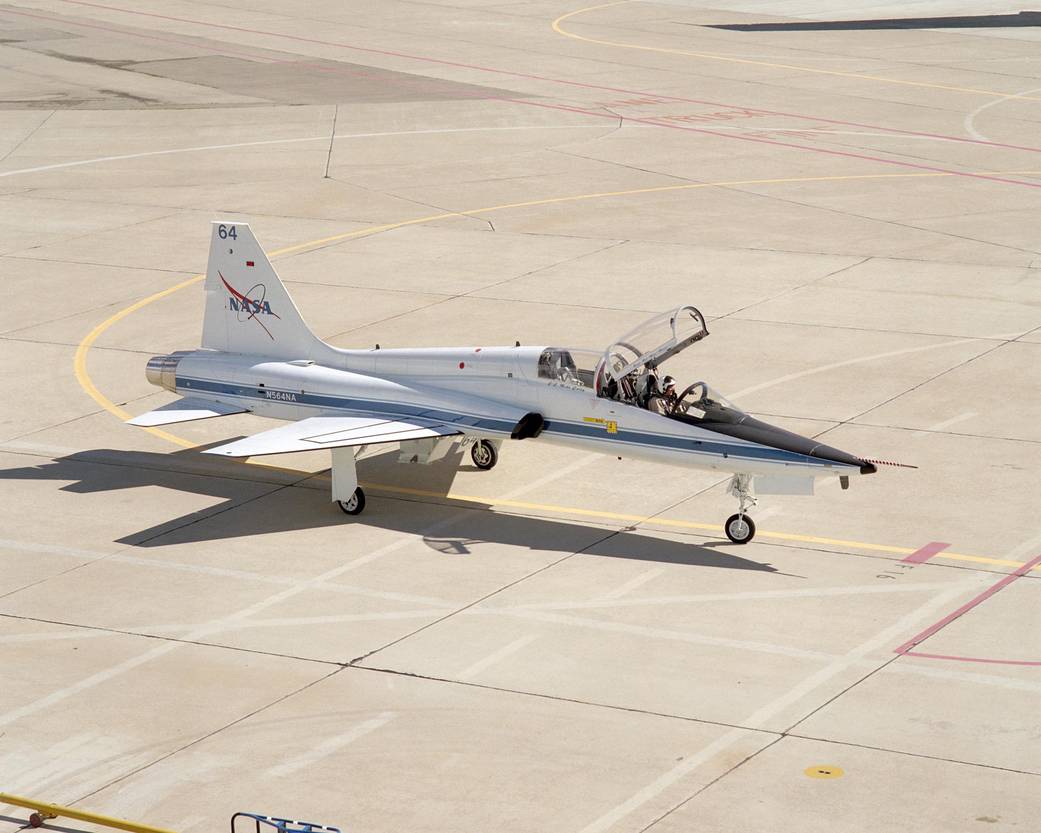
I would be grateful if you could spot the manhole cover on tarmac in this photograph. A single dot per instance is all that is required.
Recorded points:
(824, 771)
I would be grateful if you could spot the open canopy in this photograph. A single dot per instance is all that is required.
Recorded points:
(654, 341)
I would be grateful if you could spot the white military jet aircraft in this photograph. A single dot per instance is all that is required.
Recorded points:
(258, 356)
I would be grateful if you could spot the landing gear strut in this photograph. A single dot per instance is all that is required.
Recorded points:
(740, 528)
(347, 494)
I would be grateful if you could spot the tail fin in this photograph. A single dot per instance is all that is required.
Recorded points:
(248, 309)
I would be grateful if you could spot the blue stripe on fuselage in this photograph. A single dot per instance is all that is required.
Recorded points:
(559, 427)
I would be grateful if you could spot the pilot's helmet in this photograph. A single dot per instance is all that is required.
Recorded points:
(668, 382)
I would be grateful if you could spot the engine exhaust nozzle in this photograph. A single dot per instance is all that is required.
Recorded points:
(161, 371)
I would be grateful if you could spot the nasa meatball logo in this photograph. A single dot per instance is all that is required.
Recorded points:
(249, 305)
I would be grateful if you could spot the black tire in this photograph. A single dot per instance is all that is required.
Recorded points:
(739, 528)
(484, 455)
(36, 820)
(355, 504)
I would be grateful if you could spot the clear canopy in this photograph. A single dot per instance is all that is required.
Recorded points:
(654, 341)
(569, 367)
(704, 402)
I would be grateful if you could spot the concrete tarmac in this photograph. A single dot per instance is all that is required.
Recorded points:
(567, 643)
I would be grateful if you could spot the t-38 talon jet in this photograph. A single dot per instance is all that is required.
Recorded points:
(258, 356)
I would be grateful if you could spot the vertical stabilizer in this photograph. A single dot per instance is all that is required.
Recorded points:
(248, 309)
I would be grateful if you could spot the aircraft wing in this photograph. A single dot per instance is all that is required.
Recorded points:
(184, 410)
(335, 432)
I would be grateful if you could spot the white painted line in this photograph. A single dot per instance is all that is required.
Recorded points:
(659, 633)
(582, 462)
(330, 746)
(99, 677)
(776, 707)
(22, 445)
(970, 119)
(74, 631)
(633, 583)
(89, 682)
(48, 636)
(223, 572)
(496, 656)
(863, 359)
(947, 423)
(923, 669)
(325, 138)
(51, 549)
(340, 618)
(830, 132)
(748, 595)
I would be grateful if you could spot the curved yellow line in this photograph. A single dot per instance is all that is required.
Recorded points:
(83, 376)
(560, 30)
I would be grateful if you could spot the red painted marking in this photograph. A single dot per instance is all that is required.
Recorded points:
(969, 605)
(462, 365)
(973, 659)
(249, 262)
(925, 553)
(514, 74)
(595, 113)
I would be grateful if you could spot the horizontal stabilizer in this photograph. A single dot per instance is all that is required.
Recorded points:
(184, 410)
(334, 432)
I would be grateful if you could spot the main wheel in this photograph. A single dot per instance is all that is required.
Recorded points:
(740, 529)
(354, 504)
(484, 455)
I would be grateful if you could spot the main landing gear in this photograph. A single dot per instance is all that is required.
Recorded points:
(484, 454)
(740, 528)
(347, 494)
(355, 504)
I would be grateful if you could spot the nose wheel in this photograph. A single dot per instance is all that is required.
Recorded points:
(740, 528)
(355, 504)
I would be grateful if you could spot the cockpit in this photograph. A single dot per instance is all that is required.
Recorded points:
(568, 367)
(630, 371)
(701, 403)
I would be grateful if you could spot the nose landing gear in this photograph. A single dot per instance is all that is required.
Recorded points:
(740, 528)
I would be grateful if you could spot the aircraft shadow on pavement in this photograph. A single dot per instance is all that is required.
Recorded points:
(258, 502)
(24, 825)
(979, 21)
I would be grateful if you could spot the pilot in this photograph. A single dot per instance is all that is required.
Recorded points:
(668, 394)
(647, 386)
(656, 401)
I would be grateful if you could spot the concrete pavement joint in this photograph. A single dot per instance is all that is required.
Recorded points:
(208, 735)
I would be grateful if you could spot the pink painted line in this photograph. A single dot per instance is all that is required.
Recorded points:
(925, 553)
(774, 142)
(515, 74)
(544, 105)
(969, 605)
(973, 659)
